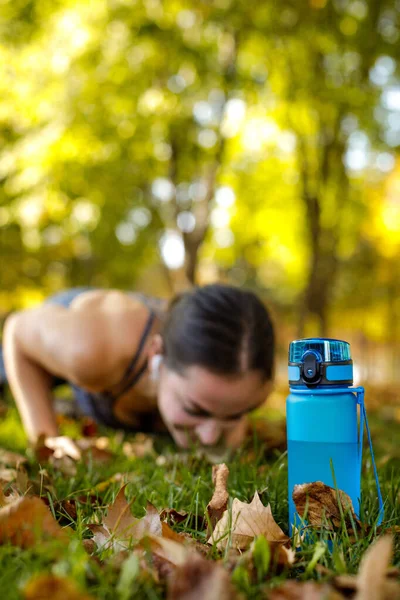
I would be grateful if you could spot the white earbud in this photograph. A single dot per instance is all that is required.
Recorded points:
(155, 364)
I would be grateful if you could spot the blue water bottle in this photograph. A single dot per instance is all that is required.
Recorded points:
(324, 431)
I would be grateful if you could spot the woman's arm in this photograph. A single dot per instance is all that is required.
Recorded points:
(42, 342)
(29, 383)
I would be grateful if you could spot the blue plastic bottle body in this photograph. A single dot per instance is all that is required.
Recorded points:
(320, 428)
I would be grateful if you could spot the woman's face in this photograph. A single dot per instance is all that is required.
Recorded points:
(200, 406)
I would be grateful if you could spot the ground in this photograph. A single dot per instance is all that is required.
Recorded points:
(81, 495)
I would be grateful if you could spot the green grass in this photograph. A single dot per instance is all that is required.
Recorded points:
(184, 483)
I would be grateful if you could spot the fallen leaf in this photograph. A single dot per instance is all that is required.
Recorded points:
(89, 545)
(283, 556)
(219, 501)
(170, 534)
(58, 456)
(120, 527)
(64, 464)
(43, 587)
(41, 452)
(141, 446)
(120, 521)
(8, 493)
(104, 485)
(68, 507)
(8, 475)
(98, 455)
(280, 558)
(168, 552)
(346, 584)
(26, 521)
(309, 590)
(175, 517)
(22, 480)
(375, 578)
(12, 459)
(318, 504)
(371, 579)
(200, 579)
(246, 522)
(89, 427)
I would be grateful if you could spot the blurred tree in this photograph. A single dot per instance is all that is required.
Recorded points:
(225, 139)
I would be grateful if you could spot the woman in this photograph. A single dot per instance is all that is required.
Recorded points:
(201, 365)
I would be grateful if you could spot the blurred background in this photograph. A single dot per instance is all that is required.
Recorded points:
(150, 145)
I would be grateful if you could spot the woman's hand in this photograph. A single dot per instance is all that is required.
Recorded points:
(63, 446)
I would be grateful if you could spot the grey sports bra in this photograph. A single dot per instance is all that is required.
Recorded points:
(100, 406)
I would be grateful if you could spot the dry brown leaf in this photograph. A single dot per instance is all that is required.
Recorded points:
(120, 527)
(219, 501)
(309, 590)
(27, 520)
(318, 503)
(22, 480)
(141, 446)
(11, 459)
(173, 516)
(200, 579)
(247, 522)
(374, 580)
(176, 552)
(371, 577)
(89, 545)
(283, 556)
(89, 427)
(7, 475)
(8, 493)
(166, 553)
(170, 534)
(95, 449)
(346, 584)
(43, 587)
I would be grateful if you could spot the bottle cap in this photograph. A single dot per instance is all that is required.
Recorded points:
(320, 362)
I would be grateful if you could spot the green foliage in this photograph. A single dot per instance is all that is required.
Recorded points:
(183, 481)
(122, 123)
(261, 557)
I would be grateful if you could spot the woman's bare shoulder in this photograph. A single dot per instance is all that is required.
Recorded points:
(112, 301)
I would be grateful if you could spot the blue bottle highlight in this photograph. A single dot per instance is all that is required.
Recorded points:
(322, 419)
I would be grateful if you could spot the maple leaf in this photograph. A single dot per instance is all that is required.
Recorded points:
(246, 522)
(197, 578)
(120, 527)
(47, 586)
(219, 501)
(26, 521)
(318, 503)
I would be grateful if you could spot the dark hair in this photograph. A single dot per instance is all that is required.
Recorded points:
(221, 328)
